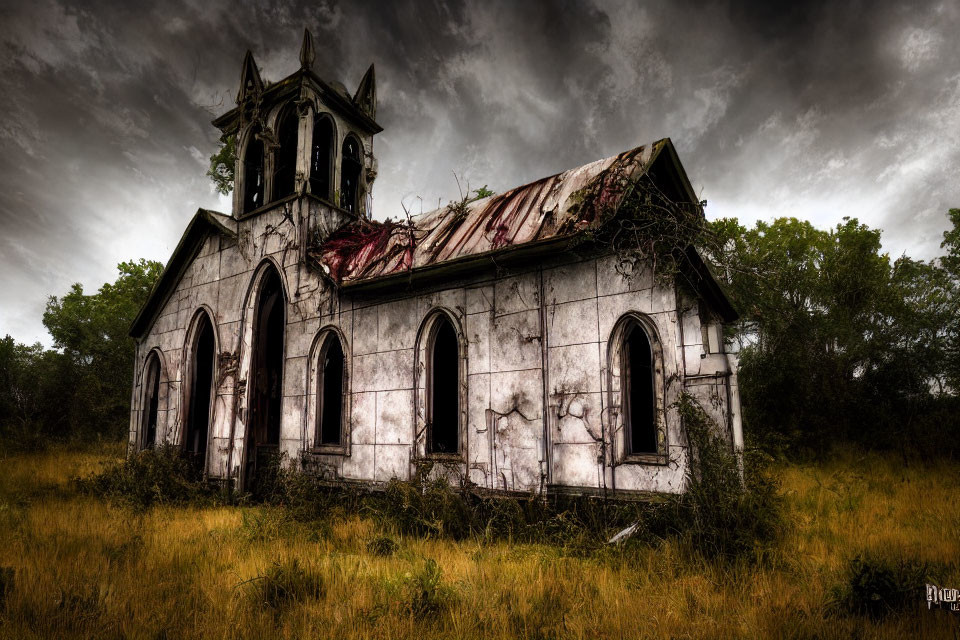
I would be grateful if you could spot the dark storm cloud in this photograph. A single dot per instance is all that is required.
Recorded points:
(820, 110)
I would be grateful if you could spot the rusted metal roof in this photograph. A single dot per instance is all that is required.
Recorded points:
(549, 208)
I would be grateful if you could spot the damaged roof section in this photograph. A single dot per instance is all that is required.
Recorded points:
(548, 209)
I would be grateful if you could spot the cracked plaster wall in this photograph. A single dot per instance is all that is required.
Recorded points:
(560, 315)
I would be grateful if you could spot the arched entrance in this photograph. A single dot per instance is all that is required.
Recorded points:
(203, 351)
(266, 373)
(151, 402)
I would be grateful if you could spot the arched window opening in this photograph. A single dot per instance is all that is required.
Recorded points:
(321, 156)
(330, 393)
(638, 391)
(151, 402)
(350, 167)
(266, 412)
(443, 389)
(285, 160)
(201, 394)
(253, 172)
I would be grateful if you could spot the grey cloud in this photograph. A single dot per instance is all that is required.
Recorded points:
(819, 110)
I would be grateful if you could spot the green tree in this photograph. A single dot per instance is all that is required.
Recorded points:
(223, 165)
(838, 341)
(951, 328)
(91, 331)
(81, 388)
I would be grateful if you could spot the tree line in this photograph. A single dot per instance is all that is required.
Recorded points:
(81, 388)
(838, 342)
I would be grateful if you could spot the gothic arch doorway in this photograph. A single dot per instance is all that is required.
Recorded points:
(200, 393)
(266, 374)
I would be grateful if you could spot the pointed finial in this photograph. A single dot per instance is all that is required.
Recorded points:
(366, 95)
(307, 54)
(250, 82)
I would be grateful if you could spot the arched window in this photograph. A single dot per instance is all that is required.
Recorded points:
(203, 352)
(638, 391)
(151, 401)
(330, 392)
(350, 175)
(321, 156)
(285, 160)
(443, 388)
(253, 172)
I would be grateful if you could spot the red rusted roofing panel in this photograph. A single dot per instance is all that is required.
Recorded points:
(540, 210)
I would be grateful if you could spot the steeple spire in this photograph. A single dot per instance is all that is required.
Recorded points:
(307, 54)
(366, 95)
(250, 82)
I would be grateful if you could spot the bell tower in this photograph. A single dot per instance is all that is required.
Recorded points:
(302, 137)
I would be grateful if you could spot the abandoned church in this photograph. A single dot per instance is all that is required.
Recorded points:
(497, 341)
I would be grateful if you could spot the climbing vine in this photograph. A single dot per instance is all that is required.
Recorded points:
(636, 220)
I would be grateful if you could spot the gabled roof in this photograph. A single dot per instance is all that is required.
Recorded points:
(528, 214)
(200, 225)
(540, 216)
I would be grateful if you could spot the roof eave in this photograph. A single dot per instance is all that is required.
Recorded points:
(495, 258)
(708, 287)
(180, 259)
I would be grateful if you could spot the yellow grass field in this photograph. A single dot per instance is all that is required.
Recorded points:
(84, 568)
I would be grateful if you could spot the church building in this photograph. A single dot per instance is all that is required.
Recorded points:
(488, 341)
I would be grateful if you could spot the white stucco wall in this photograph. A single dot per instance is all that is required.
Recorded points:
(542, 327)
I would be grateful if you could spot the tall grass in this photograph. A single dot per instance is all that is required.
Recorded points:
(76, 566)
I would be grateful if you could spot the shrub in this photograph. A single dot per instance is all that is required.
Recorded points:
(427, 508)
(425, 592)
(284, 584)
(7, 577)
(150, 477)
(382, 546)
(721, 513)
(876, 587)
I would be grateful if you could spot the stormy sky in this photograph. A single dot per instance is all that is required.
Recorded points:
(815, 109)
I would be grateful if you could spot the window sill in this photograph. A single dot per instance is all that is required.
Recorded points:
(329, 450)
(654, 459)
(443, 457)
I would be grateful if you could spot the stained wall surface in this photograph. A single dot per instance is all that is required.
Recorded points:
(539, 397)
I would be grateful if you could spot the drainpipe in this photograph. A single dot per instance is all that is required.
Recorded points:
(733, 398)
(546, 471)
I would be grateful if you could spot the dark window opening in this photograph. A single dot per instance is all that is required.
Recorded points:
(638, 391)
(263, 437)
(350, 175)
(253, 172)
(201, 390)
(444, 389)
(152, 403)
(321, 156)
(330, 393)
(285, 171)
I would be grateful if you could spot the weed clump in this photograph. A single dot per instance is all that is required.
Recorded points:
(7, 576)
(427, 508)
(382, 546)
(731, 508)
(150, 477)
(726, 511)
(876, 587)
(424, 593)
(285, 584)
